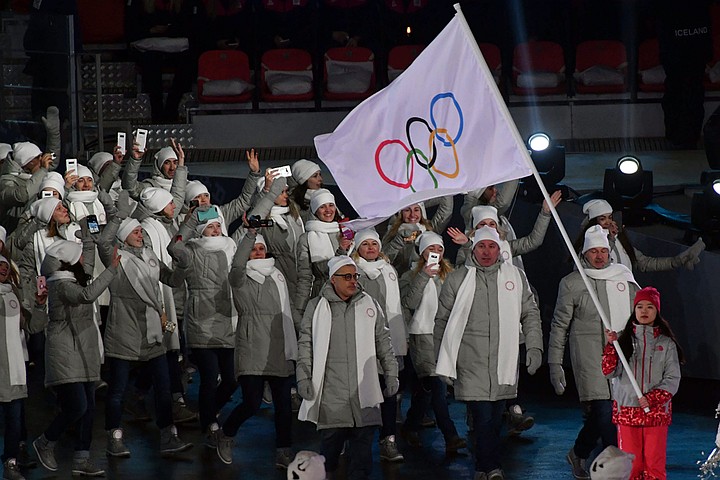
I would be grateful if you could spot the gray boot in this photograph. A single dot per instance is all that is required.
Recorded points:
(11, 470)
(170, 442)
(45, 450)
(83, 467)
(115, 445)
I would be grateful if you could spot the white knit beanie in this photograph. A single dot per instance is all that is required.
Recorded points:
(126, 228)
(44, 208)
(596, 237)
(612, 464)
(201, 226)
(303, 169)
(319, 198)
(336, 263)
(98, 161)
(427, 239)
(260, 239)
(65, 251)
(367, 234)
(55, 181)
(5, 148)
(597, 207)
(4, 260)
(155, 199)
(83, 171)
(482, 212)
(162, 155)
(3, 235)
(193, 189)
(485, 233)
(24, 152)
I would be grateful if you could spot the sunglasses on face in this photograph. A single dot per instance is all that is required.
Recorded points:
(347, 276)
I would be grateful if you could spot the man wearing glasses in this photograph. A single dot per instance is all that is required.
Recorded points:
(343, 335)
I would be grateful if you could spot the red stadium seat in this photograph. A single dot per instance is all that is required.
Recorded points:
(538, 68)
(400, 58)
(290, 69)
(227, 74)
(598, 64)
(346, 76)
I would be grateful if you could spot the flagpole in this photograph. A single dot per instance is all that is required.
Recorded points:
(506, 113)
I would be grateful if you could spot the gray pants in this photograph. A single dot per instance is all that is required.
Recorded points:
(359, 451)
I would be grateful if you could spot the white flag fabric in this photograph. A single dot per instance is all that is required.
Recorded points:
(438, 129)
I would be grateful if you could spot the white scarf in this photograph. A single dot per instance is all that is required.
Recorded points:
(143, 274)
(13, 340)
(369, 391)
(259, 270)
(318, 236)
(162, 182)
(618, 255)
(392, 307)
(160, 240)
(423, 320)
(510, 288)
(65, 275)
(294, 226)
(82, 204)
(22, 174)
(41, 242)
(228, 247)
(617, 279)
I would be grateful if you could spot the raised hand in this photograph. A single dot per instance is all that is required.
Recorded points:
(253, 160)
(179, 152)
(457, 236)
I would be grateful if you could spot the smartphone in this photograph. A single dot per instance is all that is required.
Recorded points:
(194, 204)
(52, 155)
(41, 285)
(71, 164)
(433, 258)
(93, 225)
(46, 194)
(121, 142)
(209, 214)
(347, 232)
(141, 138)
(283, 171)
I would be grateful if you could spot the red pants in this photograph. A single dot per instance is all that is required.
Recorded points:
(649, 445)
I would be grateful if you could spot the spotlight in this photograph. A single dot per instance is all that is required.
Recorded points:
(538, 142)
(628, 188)
(549, 159)
(705, 208)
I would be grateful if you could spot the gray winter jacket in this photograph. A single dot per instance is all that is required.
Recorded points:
(477, 362)
(421, 347)
(654, 364)
(340, 404)
(577, 320)
(279, 240)
(259, 339)
(503, 200)
(650, 264)
(126, 327)
(72, 340)
(17, 193)
(403, 254)
(208, 309)
(33, 321)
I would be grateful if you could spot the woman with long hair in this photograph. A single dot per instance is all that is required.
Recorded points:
(308, 179)
(420, 289)
(73, 348)
(380, 280)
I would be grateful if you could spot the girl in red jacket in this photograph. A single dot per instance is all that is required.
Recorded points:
(654, 356)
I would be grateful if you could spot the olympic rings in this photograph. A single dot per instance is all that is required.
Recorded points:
(423, 160)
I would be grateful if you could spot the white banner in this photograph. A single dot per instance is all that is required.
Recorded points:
(440, 128)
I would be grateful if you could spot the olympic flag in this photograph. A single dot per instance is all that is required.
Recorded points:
(438, 129)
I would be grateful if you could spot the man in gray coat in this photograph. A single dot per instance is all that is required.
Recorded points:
(342, 334)
(481, 311)
(576, 321)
